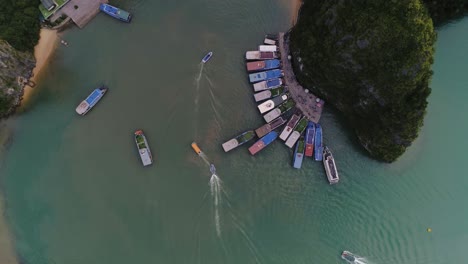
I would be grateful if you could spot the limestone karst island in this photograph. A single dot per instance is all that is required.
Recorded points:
(247, 131)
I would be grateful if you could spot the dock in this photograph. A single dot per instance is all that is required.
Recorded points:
(306, 102)
(81, 12)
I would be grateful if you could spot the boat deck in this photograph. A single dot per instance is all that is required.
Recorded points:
(306, 102)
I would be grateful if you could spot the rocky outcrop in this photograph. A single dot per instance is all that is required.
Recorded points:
(15, 71)
(372, 61)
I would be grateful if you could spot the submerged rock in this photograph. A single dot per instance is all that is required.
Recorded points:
(15, 70)
(372, 61)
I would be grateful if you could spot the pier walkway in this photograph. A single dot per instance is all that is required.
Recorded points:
(308, 103)
(80, 11)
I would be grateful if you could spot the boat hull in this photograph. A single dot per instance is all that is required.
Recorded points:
(143, 148)
(267, 85)
(299, 153)
(309, 140)
(87, 104)
(238, 141)
(267, 128)
(263, 142)
(207, 57)
(318, 148)
(116, 13)
(330, 166)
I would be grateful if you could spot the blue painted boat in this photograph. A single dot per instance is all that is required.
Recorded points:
(263, 142)
(90, 101)
(318, 143)
(266, 75)
(263, 65)
(116, 13)
(207, 57)
(299, 153)
(309, 139)
(268, 84)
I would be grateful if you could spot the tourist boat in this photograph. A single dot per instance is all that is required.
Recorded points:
(330, 166)
(143, 148)
(90, 101)
(207, 57)
(267, 48)
(196, 148)
(268, 84)
(281, 109)
(266, 75)
(269, 41)
(263, 142)
(296, 134)
(263, 95)
(258, 55)
(239, 140)
(299, 153)
(318, 148)
(263, 65)
(287, 130)
(115, 12)
(265, 129)
(309, 139)
(272, 103)
(351, 258)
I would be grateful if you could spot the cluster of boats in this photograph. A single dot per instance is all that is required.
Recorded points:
(265, 74)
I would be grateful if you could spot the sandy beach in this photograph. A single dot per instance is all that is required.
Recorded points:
(42, 52)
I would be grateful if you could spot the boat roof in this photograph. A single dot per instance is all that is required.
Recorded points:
(93, 96)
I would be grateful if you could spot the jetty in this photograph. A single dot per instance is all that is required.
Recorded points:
(310, 105)
(81, 12)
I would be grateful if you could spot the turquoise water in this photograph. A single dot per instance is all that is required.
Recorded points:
(76, 192)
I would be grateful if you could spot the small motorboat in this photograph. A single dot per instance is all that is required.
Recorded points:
(207, 57)
(64, 42)
(212, 169)
(351, 258)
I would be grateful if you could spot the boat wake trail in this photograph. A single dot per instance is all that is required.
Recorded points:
(197, 85)
(216, 191)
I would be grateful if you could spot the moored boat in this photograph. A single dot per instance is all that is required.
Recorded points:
(263, 95)
(263, 142)
(143, 148)
(309, 139)
(207, 57)
(268, 48)
(90, 101)
(287, 130)
(115, 12)
(299, 153)
(265, 129)
(272, 103)
(318, 147)
(239, 140)
(281, 109)
(330, 166)
(268, 84)
(269, 40)
(298, 130)
(258, 55)
(263, 65)
(265, 75)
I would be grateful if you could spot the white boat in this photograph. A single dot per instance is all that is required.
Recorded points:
(90, 101)
(143, 148)
(268, 48)
(268, 41)
(330, 166)
(268, 84)
(287, 130)
(272, 103)
(296, 134)
(351, 258)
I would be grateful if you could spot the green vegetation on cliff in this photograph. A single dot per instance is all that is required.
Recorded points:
(19, 23)
(443, 10)
(372, 61)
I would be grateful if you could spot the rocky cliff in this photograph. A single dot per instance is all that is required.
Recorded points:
(372, 61)
(15, 69)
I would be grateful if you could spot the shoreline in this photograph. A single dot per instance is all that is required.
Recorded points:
(46, 46)
(42, 53)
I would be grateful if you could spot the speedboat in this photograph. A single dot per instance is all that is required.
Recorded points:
(351, 258)
(207, 57)
(212, 169)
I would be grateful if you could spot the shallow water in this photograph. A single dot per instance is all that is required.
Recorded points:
(77, 193)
